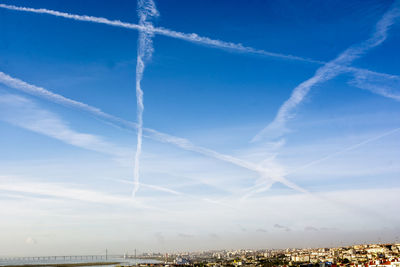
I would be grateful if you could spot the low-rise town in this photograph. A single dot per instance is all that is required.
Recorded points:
(366, 255)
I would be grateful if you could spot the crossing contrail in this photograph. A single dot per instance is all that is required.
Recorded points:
(146, 12)
(192, 37)
(385, 86)
(146, 32)
(328, 71)
(131, 126)
(265, 185)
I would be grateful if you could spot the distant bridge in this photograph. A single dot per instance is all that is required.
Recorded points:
(61, 258)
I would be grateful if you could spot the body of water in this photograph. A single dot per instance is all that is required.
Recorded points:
(60, 260)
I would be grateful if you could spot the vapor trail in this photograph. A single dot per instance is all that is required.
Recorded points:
(190, 37)
(344, 150)
(149, 28)
(187, 145)
(261, 187)
(41, 92)
(131, 126)
(176, 193)
(385, 86)
(329, 71)
(146, 12)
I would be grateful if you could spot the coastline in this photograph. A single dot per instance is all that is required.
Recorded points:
(64, 264)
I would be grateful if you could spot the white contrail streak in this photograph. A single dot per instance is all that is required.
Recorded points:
(190, 37)
(150, 133)
(385, 86)
(100, 20)
(350, 148)
(146, 12)
(174, 192)
(329, 71)
(265, 185)
(187, 145)
(41, 92)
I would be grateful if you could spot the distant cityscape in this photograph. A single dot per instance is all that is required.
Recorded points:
(361, 255)
(366, 255)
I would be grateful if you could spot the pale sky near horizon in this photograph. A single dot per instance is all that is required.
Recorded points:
(287, 136)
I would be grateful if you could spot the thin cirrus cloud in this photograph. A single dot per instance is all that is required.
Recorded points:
(30, 241)
(330, 70)
(24, 189)
(311, 229)
(73, 192)
(182, 143)
(147, 11)
(174, 192)
(25, 113)
(66, 192)
(283, 227)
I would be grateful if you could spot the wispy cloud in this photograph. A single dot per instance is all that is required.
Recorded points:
(330, 70)
(25, 113)
(150, 133)
(63, 191)
(311, 229)
(387, 86)
(146, 12)
(278, 226)
(30, 241)
(182, 235)
(261, 186)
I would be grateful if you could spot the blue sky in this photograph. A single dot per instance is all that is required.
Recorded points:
(322, 113)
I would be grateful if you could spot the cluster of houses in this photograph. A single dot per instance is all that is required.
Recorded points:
(372, 255)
